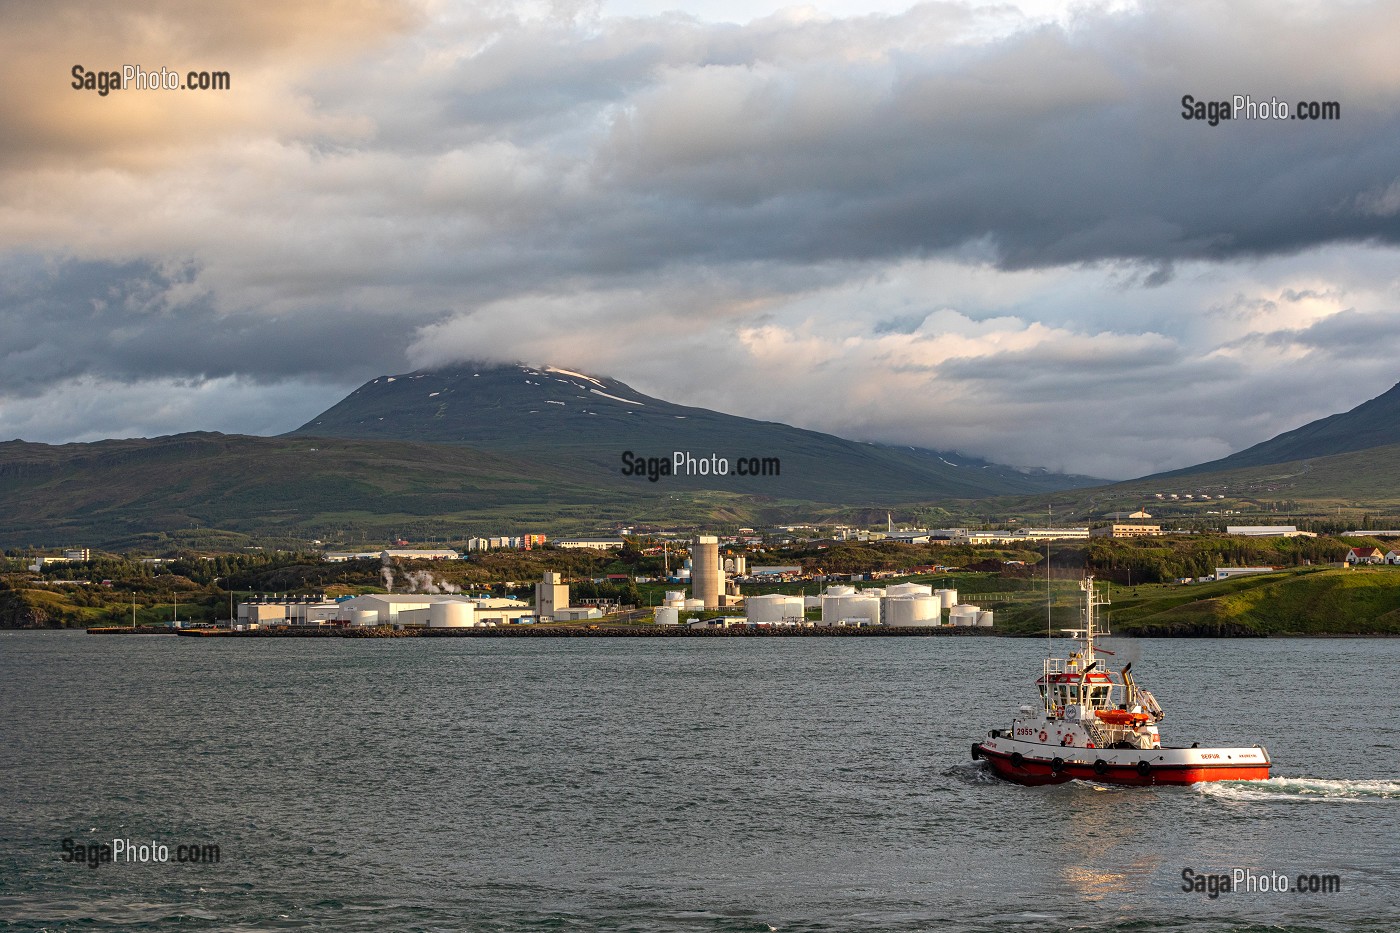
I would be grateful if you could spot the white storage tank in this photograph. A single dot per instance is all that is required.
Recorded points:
(949, 597)
(364, 617)
(451, 615)
(908, 589)
(905, 611)
(667, 615)
(694, 604)
(840, 590)
(774, 607)
(850, 609)
(963, 615)
(811, 602)
(984, 618)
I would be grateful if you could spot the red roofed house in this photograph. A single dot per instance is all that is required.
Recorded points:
(1365, 555)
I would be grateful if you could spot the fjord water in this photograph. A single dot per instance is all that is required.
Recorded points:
(744, 784)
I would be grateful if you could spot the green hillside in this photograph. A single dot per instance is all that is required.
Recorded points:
(1313, 601)
(1362, 601)
(1343, 488)
(1375, 423)
(116, 493)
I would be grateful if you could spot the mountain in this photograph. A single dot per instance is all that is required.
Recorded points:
(586, 424)
(1371, 424)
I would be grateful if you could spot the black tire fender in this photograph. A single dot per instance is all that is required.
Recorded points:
(1144, 768)
(1017, 758)
(1100, 767)
(976, 752)
(1057, 765)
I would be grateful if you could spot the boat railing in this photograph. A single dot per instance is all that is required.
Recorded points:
(1099, 733)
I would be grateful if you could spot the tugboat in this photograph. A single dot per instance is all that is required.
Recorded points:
(1093, 726)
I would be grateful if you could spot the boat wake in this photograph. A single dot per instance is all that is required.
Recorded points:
(971, 772)
(1303, 790)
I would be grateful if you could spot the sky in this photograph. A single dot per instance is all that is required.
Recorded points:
(970, 226)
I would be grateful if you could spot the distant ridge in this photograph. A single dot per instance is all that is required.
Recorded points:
(576, 420)
(1375, 423)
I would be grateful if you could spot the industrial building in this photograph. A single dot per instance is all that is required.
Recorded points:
(552, 602)
(707, 577)
(551, 595)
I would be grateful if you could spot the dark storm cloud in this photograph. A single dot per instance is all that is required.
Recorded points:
(134, 322)
(877, 138)
(1060, 146)
(1346, 337)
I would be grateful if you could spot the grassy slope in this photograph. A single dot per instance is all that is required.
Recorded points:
(1363, 601)
(1368, 475)
(106, 492)
(1352, 482)
(1311, 601)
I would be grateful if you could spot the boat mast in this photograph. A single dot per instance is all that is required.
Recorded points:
(1048, 636)
(1092, 601)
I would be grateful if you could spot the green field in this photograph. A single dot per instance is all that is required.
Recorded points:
(1307, 601)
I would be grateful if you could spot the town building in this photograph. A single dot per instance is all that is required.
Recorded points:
(592, 544)
(1364, 555)
(1124, 530)
(336, 557)
(1268, 531)
(1225, 573)
(70, 556)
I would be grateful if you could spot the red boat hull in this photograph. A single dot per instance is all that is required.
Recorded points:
(1036, 771)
